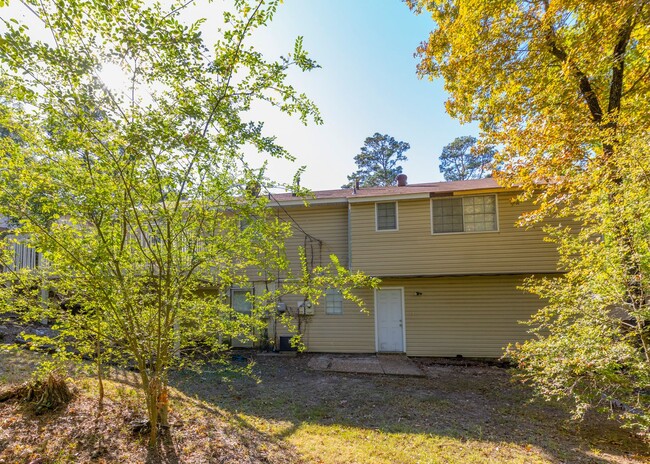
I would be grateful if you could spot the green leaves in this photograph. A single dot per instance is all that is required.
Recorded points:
(559, 88)
(122, 140)
(301, 58)
(377, 162)
(463, 160)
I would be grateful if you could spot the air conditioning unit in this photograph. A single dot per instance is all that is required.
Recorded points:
(305, 308)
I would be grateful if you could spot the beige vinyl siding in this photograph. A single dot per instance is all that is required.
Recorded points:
(327, 227)
(413, 250)
(473, 316)
(350, 332)
(327, 223)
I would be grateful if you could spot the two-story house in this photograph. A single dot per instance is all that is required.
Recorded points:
(450, 258)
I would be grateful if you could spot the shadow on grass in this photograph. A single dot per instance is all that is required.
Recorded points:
(460, 404)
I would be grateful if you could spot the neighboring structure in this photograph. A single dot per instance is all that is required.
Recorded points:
(23, 256)
(450, 258)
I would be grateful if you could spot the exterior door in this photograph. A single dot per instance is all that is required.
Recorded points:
(390, 322)
(240, 303)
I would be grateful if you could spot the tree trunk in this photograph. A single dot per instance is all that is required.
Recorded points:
(152, 409)
(163, 406)
(100, 379)
(157, 407)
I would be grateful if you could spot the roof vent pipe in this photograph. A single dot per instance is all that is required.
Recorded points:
(401, 180)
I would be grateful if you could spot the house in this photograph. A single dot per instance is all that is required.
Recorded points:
(450, 258)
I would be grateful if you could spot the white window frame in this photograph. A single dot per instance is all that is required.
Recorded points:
(462, 197)
(377, 229)
(333, 291)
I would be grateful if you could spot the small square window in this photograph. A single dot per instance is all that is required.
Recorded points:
(386, 216)
(333, 302)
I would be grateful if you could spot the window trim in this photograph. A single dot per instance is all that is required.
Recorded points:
(462, 197)
(377, 229)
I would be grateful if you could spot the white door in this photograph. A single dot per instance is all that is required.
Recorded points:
(390, 323)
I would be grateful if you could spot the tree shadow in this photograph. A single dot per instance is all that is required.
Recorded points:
(460, 403)
(165, 451)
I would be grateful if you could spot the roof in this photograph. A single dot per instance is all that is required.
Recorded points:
(413, 190)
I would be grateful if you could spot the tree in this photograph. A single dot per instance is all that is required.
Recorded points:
(461, 161)
(134, 193)
(377, 162)
(560, 86)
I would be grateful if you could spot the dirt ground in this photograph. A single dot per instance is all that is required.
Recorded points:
(456, 414)
(476, 403)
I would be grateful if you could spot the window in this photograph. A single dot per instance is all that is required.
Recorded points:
(386, 216)
(480, 213)
(447, 215)
(465, 214)
(239, 300)
(333, 302)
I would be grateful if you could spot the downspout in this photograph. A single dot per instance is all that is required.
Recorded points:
(349, 237)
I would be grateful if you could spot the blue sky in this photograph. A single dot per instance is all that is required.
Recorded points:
(367, 84)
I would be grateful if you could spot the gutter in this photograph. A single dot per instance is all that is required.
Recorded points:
(399, 196)
(309, 201)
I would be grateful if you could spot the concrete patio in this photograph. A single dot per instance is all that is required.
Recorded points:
(388, 364)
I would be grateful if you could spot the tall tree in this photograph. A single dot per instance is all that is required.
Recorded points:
(461, 160)
(134, 193)
(377, 162)
(562, 87)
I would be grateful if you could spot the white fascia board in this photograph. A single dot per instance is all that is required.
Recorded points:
(380, 198)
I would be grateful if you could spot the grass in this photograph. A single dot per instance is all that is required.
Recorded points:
(454, 415)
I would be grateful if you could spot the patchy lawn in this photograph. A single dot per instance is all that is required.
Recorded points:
(454, 415)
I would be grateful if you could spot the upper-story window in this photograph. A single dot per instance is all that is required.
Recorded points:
(386, 216)
(464, 214)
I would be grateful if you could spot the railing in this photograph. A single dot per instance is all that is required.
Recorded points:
(21, 256)
(24, 257)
